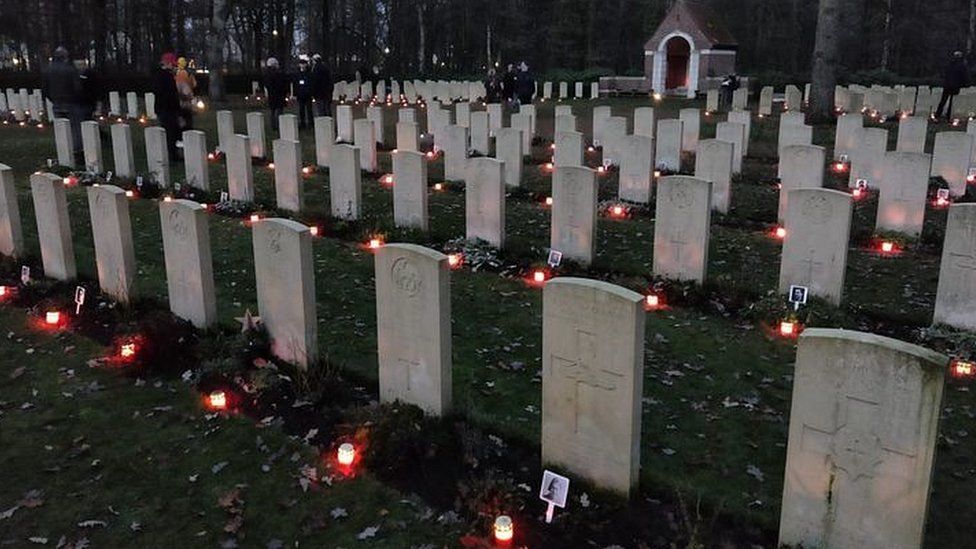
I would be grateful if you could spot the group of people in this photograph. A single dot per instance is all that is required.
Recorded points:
(312, 86)
(516, 87)
(175, 89)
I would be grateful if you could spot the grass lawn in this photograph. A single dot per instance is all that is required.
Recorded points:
(716, 389)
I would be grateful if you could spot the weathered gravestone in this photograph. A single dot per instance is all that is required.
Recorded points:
(733, 134)
(863, 428)
(240, 175)
(574, 197)
(905, 182)
(794, 134)
(285, 276)
(157, 155)
(64, 142)
(523, 123)
(955, 300)
(365, 139)
(53, 227)
(407, 137)
(682, 228)
(495, 117)
(288, 175)
(287, 127)
(344, 121)
(375, 115)
(744, 118)
(766, 101)
(636, 167)
(324, 140)
(912, 131)
(690, 129)
(818, 227)
(713, 163)
(564, 123)
(668, 143)
(132, 104)
(225, 129)
(413, 321)
(711, 101)
(91, 141)
(508, 149)
(568, 149)
(644, 121)
(800, 167)
(455, 152)
(794, 98)
(480, 141)
(256, 134)
(125, 165)
(345, 182)
(952, 158)
(11, 232)
(592, 380)
(600, 116)
(150, 99)
(484, 202)
(112, 231)
(740, 98)
(868, 157)
(848, 135)
(195, 159)
(189, 266)
(410, 189)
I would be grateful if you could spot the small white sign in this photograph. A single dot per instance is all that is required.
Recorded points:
(798, 295)
(177, 187)
(108, 177)
(607, 162)
(25, 275)
(942, 193)
(843, 158)
(224, 197)
(555, 258)
(862, 184)
(50, 163)
(972, 172)
(554, 491)
(79, 298)
(139, 181)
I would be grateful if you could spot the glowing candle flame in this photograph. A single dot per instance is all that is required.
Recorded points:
(455, 260)
(548, 201)
(375, 243)
(887, 247)
(652, 301)
(346, 454)
(962, 368)
(314, 230)
(128, 350)
(786, 328)
(504, 528)
(539, 276)
(52, 318)
(780, 232)
(217, 400)
(255, 218)
(438, 186)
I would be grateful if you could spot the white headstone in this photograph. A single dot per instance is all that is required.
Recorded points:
(574, 198)
(868, 157)
(225, 129)
(157, 155)
(848, 135)
(112, 231)
(952, 158)
(11, 232)
(409, 188)
(240, 174)
(53, 227)
(912, 132)
(905, 182)
(955, 300)
(644, 121)
(682, 228)
(285, 281)
(413, 319)
(480, 142)
(288, 127)
(568, 149)
(818, 227)
(288, 175)
(508, 149)
(863, 429)
(195, 159)
(713, 162)
(345, 182)
(484, 203)
(800, 167)
(125, 165)
(324, 140)
(256, 134)
(64, 142)
(91, 140)
(592, 379)
(189, 266)
(455, 152)
(668, 142)
(636, 168)
(365, 139)
(734, 134)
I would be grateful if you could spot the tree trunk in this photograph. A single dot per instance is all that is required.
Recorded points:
(215, 48)
(971, 30)
(824, 73)
(422, 46)
(886, 44)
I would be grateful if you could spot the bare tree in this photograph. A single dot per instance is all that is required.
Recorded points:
(824, 74)
(216, 40)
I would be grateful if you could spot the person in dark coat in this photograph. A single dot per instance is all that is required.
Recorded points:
(493, 87)
(91, 92)
(956, 78)
(322, 86)
(302, 84)
(276, 84)
(524, 85)
(62, 86)
(508, 84)
(168, 101)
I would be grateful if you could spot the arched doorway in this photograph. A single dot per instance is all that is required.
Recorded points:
(678, 57)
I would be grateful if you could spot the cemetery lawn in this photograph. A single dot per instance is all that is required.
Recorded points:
(717, 384)
(123, 461)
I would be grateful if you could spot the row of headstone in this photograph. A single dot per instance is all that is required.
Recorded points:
(887, 101)
(888, 393)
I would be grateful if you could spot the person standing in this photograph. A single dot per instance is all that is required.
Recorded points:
(524, 85)
(276, 85)
(322, 86)
(62, 86)
(493, 88)
(168, 101)
(302, 84)
(91, 91)
(186, 86)
(956, 77)
(508, 84)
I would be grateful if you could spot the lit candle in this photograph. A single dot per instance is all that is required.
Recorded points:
(887, 247)
(128, 350)
(217, 400)
(617, 211)
(375, 243)
(255, 218)
(438, 186)
(346, 454)
(504, 528)
(455, 260)
(548, 201)
(314, 230)
(962, 368)
(539, 276)
(52, 318)
(271, 165)
(786, 328)
(780, 232)
(652, 301)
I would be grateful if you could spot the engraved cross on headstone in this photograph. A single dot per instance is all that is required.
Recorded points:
(585, 371)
